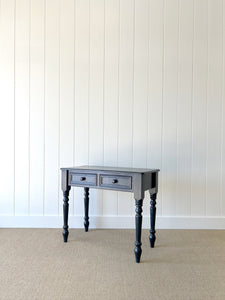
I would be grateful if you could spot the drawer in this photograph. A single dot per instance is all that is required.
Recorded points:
(114, 182)
(83, 179)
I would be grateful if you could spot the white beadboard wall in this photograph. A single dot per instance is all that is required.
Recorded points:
(136, 83)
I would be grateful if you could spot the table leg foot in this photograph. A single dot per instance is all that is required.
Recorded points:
(65, 235)
(138, 223)
(137, 252)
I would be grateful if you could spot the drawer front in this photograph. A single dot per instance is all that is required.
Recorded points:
(114, 182)
(83, 179)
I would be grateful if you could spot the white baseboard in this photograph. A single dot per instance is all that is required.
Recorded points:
(112, 222)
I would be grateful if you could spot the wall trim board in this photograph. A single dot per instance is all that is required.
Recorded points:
(112, 222)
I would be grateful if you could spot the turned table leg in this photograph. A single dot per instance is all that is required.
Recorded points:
(152, 237)
(86, 206)
(138, 223)
(65, 214)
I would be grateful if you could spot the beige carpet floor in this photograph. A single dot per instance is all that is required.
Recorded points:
(100, 264)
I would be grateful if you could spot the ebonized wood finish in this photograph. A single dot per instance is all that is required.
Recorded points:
(132, 180)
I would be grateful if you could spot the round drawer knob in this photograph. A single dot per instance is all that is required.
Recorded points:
(82, 178)
(115, 181)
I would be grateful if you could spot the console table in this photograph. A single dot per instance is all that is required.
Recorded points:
(118, 179)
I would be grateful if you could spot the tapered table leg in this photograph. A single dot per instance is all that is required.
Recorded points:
(138, 223)
(86, 207)
(152, 237)
(65, 214)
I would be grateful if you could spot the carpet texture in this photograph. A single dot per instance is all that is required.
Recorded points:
(100, 264)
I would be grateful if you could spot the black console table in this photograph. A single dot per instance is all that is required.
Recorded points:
(118, 179)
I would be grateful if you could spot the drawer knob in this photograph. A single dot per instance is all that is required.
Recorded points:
(115, 181)
(82, 178)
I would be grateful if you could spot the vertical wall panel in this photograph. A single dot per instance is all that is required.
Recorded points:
(81, 92)
(130, 83)
(184, 107)
(140, 83)
(51, 108)
(7, 20)
(222, 179)
(111, 97)
(141, 78)
(125, 134)
(22, 103)
(213, 168)
(170, 89)
(154, 120)
(37, 106)
(66, 88)
(199, 105)
(96, 91)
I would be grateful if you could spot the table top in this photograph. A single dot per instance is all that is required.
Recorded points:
(114, 169)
